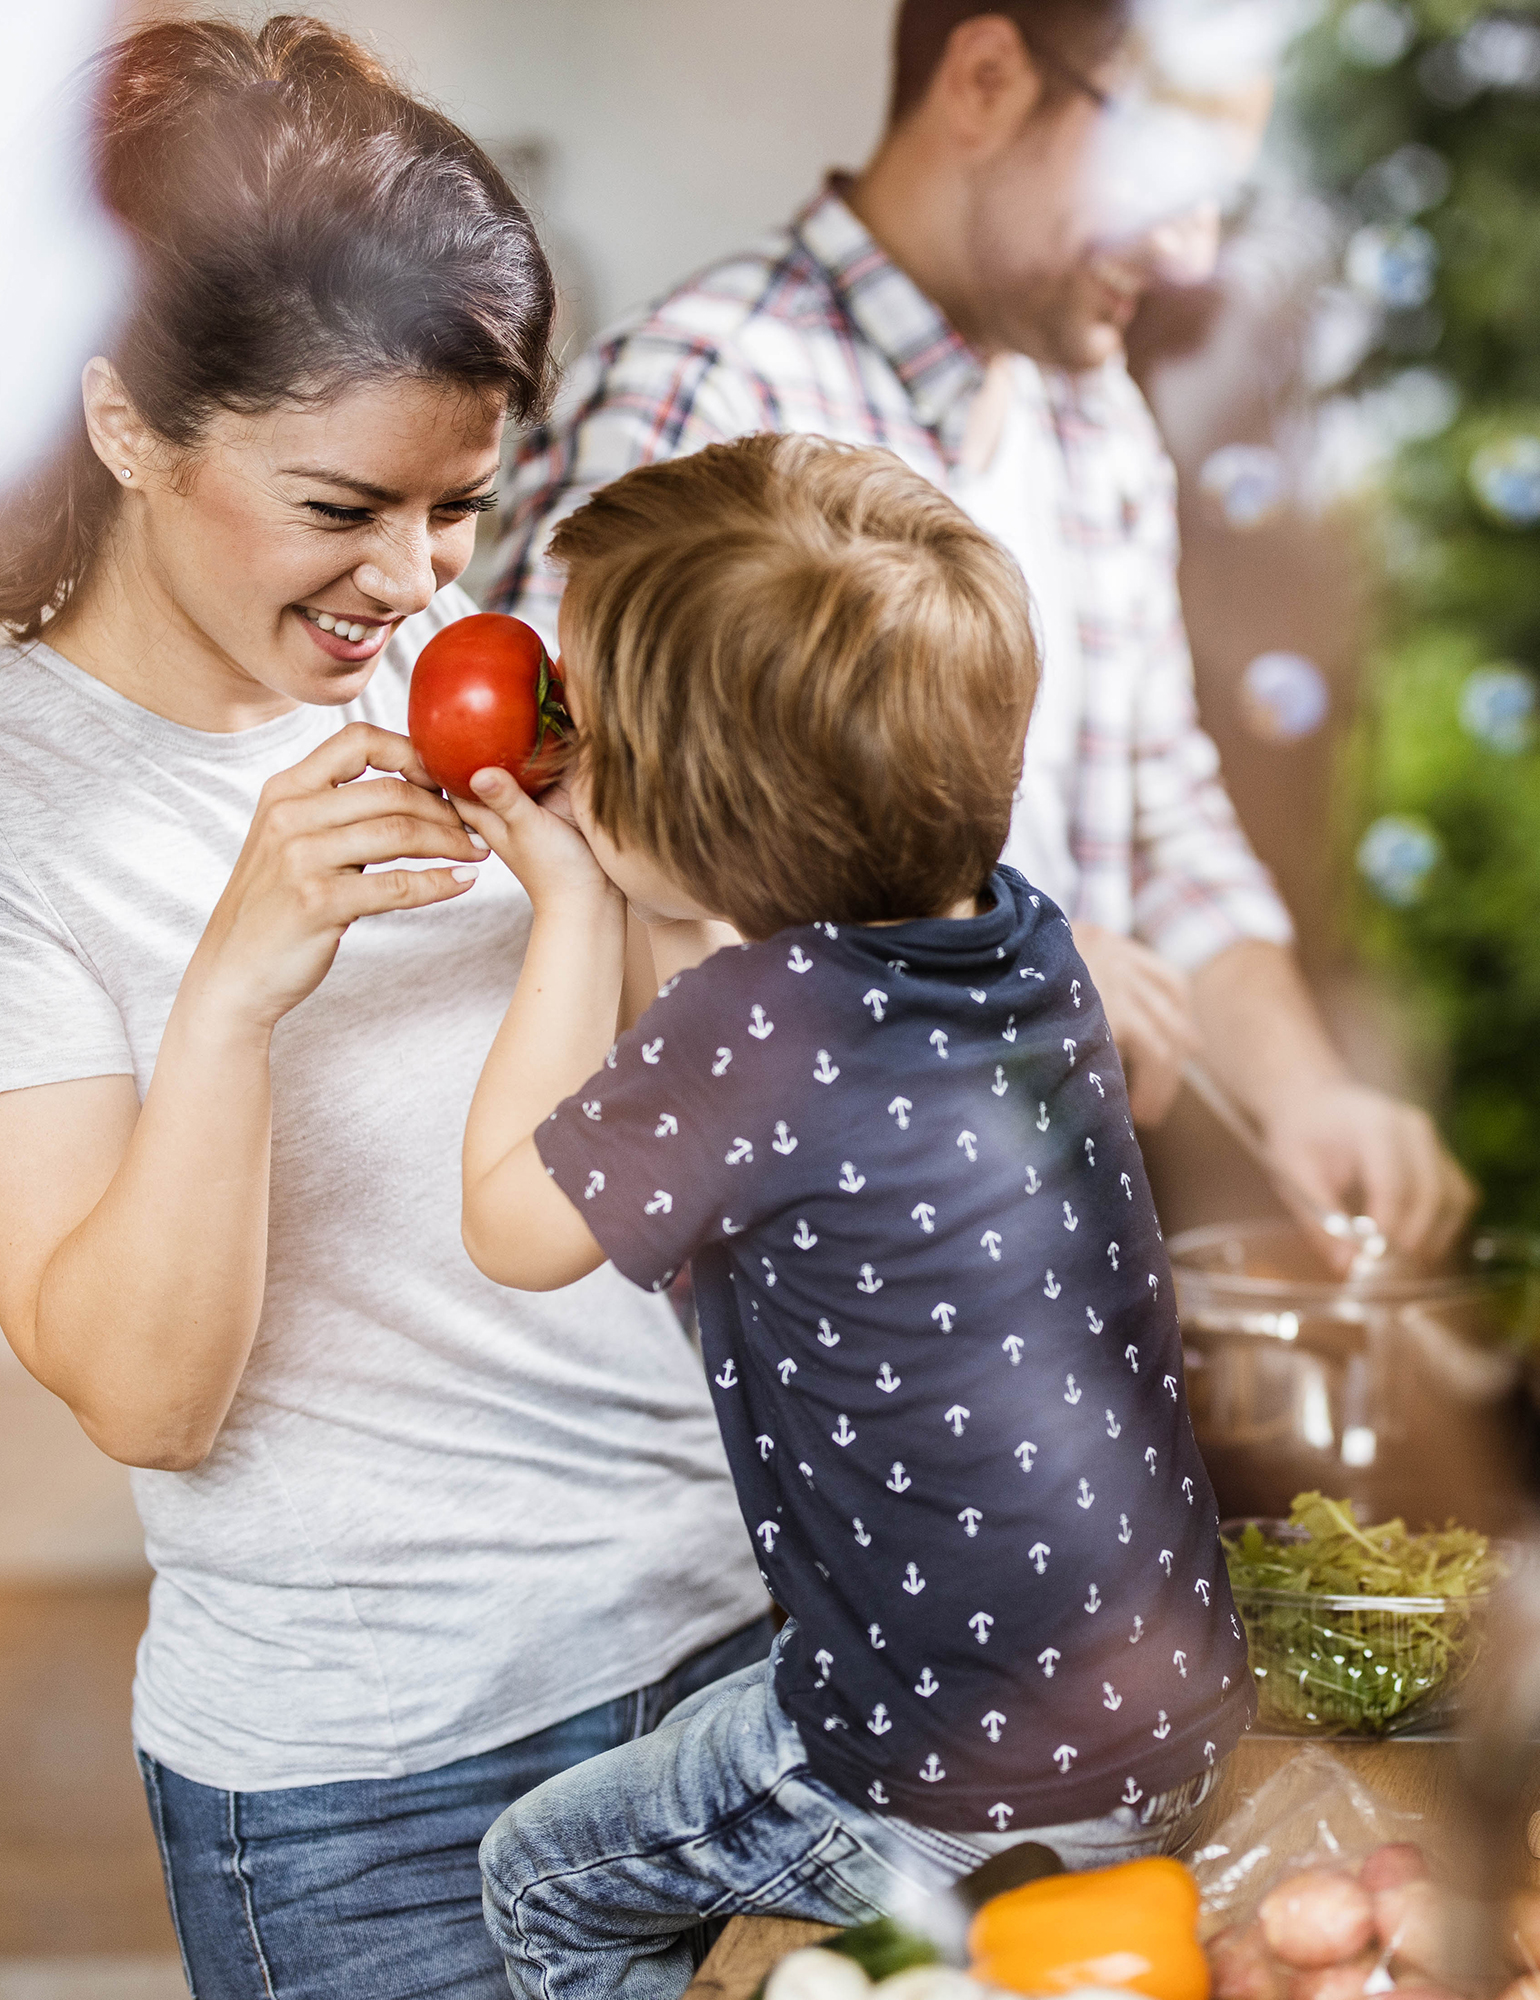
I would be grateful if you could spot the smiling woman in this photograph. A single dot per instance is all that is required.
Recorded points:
(419, 1543)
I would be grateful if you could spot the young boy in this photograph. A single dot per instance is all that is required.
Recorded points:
(889, 1135)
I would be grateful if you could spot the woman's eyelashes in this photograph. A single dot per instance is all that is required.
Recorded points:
(358, 517)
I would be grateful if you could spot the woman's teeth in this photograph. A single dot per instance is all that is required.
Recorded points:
(343, 629)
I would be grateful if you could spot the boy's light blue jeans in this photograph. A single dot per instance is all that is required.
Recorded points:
(594, 1881)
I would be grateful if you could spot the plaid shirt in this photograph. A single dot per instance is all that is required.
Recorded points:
(818, 331)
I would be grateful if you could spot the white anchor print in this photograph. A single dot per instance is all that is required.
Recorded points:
(879, 1724)
(913, 1582)
(1026, 1452)
(1043, 1121)
(1051, 1285)
(876, 1794)
(927, 1684)
(668, 987)
(1162, 1727)
(1165, 1559)
(970, 1518)
(1068, 1046)
(900, 1109)
(825, 1071)
(1168, 1383)
(1071, 1220)
(740, 1153)
(887, 1381)
(1064, 1756)
(898, 1481)
(1150, 1456)
(957, 1416)
(898, 965)
(1208, 1753)
(835, 1722)
(990, 1241)
(1032, 1182)
(1038, 1556)
(1097, 1081)
(968, 1143)
(1012, 1345)
(877, 1000)
(1090, 1152)
(1047, 1659)
(1154, 1286)
(1008, 1032)
(786, 1369)
(1131, 1793)
(938, 1041)
(868, 1281)
(979, 1625)
(830, 931)
(925, 1216)
(1093, 1601)
(1072, 1391)
(1114, 1428)
(1000, 1085)
(1201, 1589)
(1125, 1532)
(1001, 1814)
(783, 1142)
(1085, 1498)
(729, 1376)
(863, 1533)
(767, 1532)
(843, 1433)
(1074, 991)
(609, 1060)
(1112, 1255)
(1187, 1489)
(807, 1473)
(667, 1127)
(1131, 1356)
(766, 1446)
(992, 1724)
(593, 1110)
(759, 1027)
(1127, 1186)
(874, 1633)
(652, 1051)
(931, 1770)
(944, 1315)
(823, 1660)
(1138, 1632)
(978, 994)
(802, 1236)
(1110, 1699)
(661, 1204)
(769, 1270)
(1179, 1661)
(595, 1185)
(799, 960)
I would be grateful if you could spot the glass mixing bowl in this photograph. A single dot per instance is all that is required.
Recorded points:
(1400, 1390)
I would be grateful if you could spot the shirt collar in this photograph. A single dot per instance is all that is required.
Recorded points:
(937, 367)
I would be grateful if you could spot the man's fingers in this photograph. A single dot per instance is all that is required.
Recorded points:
(1169, 1019)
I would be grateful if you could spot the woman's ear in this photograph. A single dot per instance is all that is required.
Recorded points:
(119, 435)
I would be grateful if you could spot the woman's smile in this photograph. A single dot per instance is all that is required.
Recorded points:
(344, 638)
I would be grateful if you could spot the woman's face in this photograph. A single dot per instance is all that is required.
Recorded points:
(288, 547)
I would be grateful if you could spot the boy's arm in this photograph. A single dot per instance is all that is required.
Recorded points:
(518, 1226)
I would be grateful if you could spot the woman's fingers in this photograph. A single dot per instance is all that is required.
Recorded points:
(401, 889)
(366, 799)
(358, 748)
(365, 843)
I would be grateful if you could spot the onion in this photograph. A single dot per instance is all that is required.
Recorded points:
(811, 1974)
(1334, 1982)
(1318, 1917)
(1241, 1966)
(1388, 1867)
(1413, 1920)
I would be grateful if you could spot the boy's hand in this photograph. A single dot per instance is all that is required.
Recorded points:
(537, 839)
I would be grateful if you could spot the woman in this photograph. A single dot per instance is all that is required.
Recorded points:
(419, 1543)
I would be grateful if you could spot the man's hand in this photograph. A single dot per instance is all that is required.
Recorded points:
(1149, 1010)
(1360, 1152)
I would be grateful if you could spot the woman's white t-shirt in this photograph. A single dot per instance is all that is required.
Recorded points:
(440, 1515)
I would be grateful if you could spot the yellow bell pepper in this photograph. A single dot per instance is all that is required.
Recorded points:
(1134, 1926)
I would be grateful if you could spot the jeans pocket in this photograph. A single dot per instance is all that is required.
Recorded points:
(837, 1880)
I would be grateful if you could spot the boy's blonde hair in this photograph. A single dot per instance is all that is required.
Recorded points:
(806, 680)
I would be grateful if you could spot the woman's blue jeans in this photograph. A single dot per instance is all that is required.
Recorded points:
(371, 1888)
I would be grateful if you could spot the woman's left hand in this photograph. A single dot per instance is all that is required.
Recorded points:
(537, 838)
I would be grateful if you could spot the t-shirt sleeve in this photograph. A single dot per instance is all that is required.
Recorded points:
(665, 1148)
(57, 1021)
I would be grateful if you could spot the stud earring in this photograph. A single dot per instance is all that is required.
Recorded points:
(126, 473)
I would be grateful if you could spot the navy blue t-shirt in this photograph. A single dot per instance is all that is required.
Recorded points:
(939, 1324)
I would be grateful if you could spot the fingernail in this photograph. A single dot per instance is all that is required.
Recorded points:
(463, 874)
(476, 839)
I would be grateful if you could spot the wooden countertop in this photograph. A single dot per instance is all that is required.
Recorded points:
(1416, 1776)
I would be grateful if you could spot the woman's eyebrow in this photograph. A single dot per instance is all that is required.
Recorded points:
(383, 496)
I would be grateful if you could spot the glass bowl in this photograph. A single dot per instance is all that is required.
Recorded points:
(1352, 1665)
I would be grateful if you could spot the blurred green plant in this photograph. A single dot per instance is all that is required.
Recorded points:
(1422, 121)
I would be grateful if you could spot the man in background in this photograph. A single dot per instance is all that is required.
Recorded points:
(963, 301)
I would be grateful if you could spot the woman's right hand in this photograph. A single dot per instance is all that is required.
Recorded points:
(299, 880)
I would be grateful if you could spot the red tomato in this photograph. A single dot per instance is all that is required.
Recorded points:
(484, 691)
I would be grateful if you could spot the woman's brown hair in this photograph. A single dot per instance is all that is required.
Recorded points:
(300, 225)
(805, 678)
